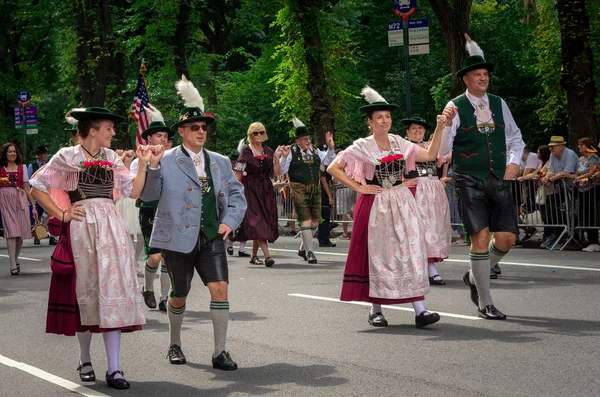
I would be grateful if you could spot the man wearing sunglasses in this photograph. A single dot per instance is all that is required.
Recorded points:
(303, 168)
(200, 202)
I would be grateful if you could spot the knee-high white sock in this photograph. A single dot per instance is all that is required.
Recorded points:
(175, 315)
(375, 308)
(242, 246)
(307, 238)
(480, 275)
(432, 269)
(11, 247)
(219, 312)
(495, 254)
(419, 307)
(112, 343)
(85, 341)
(149, 276)
(165, 282)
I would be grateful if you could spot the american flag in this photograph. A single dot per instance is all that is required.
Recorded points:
(140, 100)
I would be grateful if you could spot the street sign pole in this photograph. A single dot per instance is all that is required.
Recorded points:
(405, 9)
(407, 67)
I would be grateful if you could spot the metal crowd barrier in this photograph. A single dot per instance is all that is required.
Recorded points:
(566, 209)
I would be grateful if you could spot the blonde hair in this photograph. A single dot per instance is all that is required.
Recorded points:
(256, 126)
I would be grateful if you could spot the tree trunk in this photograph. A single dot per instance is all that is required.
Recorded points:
(321, 116)
(180, 39)
(454, 20)
(578, 70)
(85, 35)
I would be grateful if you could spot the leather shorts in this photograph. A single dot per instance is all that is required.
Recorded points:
(208, 258)
(485, 203)
(146, 224)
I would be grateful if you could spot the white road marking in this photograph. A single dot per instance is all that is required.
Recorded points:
(404, 309)
(23, 258)
(74, 387)
(589, 269)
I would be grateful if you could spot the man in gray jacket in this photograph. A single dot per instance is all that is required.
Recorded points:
(200, 203)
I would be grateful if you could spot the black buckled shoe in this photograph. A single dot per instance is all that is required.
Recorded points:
(230, 251)
(224, 362)
(162, 305)
(436, 281)
(302, 254)
(149, 298)
(473, 287)
(491, 313)
(423, 320)
(244, 254)
(377, 320)
(175, 355)
(117, 383)
(52, 241)
(311, 258)
(89, 376)
(496, 269)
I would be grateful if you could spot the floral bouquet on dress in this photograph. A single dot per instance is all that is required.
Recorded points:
(389, 169)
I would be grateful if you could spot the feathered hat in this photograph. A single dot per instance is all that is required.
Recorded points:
(301, 129)
(376, 101)
(72, 121)
(95, 113)
(475, 60)
(194, 105)
(157, 123)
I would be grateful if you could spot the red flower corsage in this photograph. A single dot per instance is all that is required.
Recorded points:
(391, 157)
(261, 156)
(97, 164)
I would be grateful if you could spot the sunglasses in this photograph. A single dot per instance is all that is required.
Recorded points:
(197, 127)
(257, 133)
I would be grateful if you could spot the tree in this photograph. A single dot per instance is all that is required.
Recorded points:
(578, 69)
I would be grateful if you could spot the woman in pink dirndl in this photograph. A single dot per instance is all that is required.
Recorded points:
(432, 201)
(387, 257)
(77, 186)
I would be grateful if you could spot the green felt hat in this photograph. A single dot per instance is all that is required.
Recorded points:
(416, 120)
(301, 129)
(234, 155)
(189, 114)
(157, 126)
(474, 62)
(96, 113)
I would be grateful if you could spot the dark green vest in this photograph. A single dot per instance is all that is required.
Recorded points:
(475, 153)
(301, 171)
(209, 221)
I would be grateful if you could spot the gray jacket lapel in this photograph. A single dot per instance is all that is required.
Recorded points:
(186, 164)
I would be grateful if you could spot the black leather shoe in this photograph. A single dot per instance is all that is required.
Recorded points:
(496, 269)
(423, 320)
(52, 241)
(162, 305)
(493, 276)
(474, 293)
(36, 241)
(244, 254)
(118, 383)
(89, 376)
(302, 254)
(333, 225)
(377, 320)
(175, 355)
(223, 361)
(491, 313)
(230, 250)
(329, 244)
(434, 281)
(310, 257)
(149, 298)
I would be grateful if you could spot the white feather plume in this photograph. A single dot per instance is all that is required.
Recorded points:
(472, 47)
(154, 113)
(70, 119)
(190, 95)
(371, 95)
(241, 145)
(297, 122)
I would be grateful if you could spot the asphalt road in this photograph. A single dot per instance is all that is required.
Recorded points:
(291, 337)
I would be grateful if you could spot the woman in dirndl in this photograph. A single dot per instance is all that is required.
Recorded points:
(14, 195)
(76, 186)
(432, 201)
(387, 257)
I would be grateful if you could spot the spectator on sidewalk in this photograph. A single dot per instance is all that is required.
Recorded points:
(587, 192)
